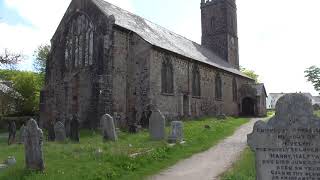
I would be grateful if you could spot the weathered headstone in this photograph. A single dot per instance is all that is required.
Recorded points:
(33, 146)
(176, 135)
(12, 132)
(157, 123)
(67, 124)
(287, 147)
(51, 135)
(74, 129)
(108, 128)
(22, 134)
(11, 161)
(60, 132)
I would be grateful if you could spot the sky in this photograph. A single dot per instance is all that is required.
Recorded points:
(278, 39)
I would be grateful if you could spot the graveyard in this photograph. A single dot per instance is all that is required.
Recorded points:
(132, 156)
(244, 168)
(159, 90)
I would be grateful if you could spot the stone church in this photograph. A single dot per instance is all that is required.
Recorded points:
(107, 60)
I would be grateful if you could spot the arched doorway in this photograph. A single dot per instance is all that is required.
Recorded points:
(248, 107)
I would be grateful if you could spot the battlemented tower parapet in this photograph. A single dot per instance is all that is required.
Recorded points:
(219, 29)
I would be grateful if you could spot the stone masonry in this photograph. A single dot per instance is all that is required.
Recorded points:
(105, 60)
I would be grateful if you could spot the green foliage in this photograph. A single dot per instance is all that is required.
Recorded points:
(28, 84)
(313, 75)
(77, 161)
(250, 73)
(41, 56)
(317, 113)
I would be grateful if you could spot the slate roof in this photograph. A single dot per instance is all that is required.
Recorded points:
(163, 38)
(260, 89)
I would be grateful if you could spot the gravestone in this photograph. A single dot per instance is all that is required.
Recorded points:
(22, 134)
(33, 146)
(67, 124)
(51, 135)
(157, 123)
(60, 132)
(176, 135)
(108, 128)
(12, 128)
(287, 147)
(74, 129)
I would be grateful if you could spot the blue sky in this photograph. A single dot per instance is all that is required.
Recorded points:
(277, 38)
(11, 16)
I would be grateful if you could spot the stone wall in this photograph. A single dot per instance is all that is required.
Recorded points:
(174, 105)
(80, 81)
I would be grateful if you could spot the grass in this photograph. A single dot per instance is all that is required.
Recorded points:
(80, 161)
(244, 169)
(317, 113)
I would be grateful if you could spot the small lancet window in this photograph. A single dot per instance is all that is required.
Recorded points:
(196, 91)
(218, 83)
(167, 76)
(234, 90)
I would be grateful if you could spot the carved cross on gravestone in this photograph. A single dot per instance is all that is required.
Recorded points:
(60, 132)
(33, 146)
(288, 145)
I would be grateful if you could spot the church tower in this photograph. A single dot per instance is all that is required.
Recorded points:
(219, 29)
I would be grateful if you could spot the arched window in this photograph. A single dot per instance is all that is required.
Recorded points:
(167, 76)
(79, 42)
(196, 91)
(234, 90)
(218, 87)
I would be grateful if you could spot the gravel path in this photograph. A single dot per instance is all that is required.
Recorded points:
(213, 162)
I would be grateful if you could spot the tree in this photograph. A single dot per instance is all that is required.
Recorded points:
(28, 84)
(250, 73)
(41, 57)
(313, 75)
(10, 59)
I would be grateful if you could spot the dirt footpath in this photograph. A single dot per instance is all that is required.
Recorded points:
(210, 164)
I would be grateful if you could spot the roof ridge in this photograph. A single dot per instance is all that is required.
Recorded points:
(105, 1)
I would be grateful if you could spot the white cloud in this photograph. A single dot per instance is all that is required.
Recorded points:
(45, 16)
(277, 39)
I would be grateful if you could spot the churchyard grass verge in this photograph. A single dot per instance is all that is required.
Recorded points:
(73, 161)
(244, 169)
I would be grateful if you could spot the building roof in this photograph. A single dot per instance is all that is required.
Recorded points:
(163, 38)
(260, 89)
(316, 99)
